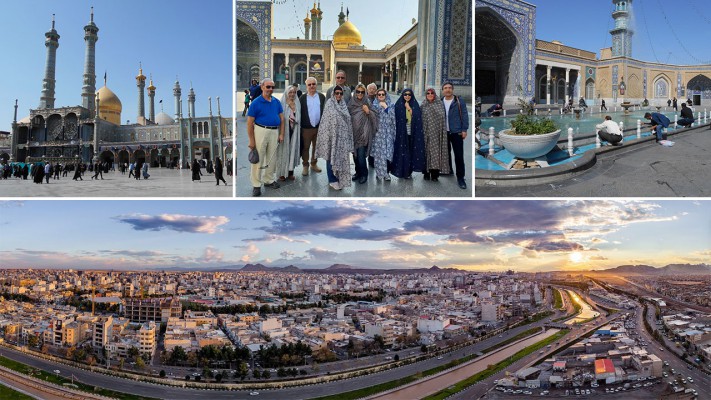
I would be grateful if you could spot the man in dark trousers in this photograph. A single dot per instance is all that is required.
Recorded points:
(687, 116)
(457, 126)
(312, 104)
(658, 122)
(98, 171)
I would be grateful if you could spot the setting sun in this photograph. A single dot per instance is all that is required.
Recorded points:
(576, 257)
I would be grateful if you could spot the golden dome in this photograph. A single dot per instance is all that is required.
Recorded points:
(314, 10)
(346, 35)
(151, 87)
(307, 19)
(109, 106)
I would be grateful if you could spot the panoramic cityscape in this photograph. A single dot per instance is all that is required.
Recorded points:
(338, 300)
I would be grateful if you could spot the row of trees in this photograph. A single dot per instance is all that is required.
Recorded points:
(286, 355)
(207, 356)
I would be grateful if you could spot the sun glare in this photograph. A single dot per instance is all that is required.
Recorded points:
(576, 257)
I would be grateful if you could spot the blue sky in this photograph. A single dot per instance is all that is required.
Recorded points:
(170, 37)
(475, 235)
(665, 31)
(379, 22)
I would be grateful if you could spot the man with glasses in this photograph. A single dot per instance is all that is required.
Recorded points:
(265, 129)
(457, 126)
(341, 82)
(312, 104)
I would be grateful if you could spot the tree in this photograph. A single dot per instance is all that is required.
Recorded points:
(266, 374)
(281, 372)
(162, 373)
(121, 362)
(140, 364)
(423, 348)
(218, 378)
(132, 352)
(33, 341)
(242, 370)
(256, 374)
(178, 355)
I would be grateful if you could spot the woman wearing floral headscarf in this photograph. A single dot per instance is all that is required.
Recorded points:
(334, 141)
(435, 131)
(409, 154)
(383, 143)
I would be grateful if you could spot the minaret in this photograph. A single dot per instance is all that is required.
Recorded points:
(622, 33)
(320, 17)
(141, 84)
(191, 102)
(341, 16)
(314, 19)
(151, 101)
(307, 26)
(51, 42)
(13, 138)
(88, 91)
(177, 92)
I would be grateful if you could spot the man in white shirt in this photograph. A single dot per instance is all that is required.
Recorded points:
(610, 131)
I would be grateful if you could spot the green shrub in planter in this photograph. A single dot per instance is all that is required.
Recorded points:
(528, 125)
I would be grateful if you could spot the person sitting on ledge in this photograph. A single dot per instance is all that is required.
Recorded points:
(610, 131)
(645, 102)
(687, 116)
(582, 104)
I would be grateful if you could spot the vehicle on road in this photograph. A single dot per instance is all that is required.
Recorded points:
(254, 393)
(440, 358)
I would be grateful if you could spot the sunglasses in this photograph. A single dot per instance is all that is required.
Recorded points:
(381, 94)
(407, 95)
(430, 92)
(337, 93)
(311, 84)
(360, 92)
(269, 87)
(340, 77)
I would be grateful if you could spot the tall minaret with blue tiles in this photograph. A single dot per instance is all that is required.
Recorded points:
(88, 90)
(622, 33)
(51, 42)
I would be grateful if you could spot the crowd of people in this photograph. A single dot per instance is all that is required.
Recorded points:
(361, 124)
(41, 171)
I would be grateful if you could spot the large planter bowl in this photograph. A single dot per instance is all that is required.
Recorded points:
(529, 146)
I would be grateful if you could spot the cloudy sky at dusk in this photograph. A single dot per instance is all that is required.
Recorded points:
(476, 235)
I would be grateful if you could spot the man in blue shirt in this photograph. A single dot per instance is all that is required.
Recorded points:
(658, 121)
(265, 129)
(457, 126)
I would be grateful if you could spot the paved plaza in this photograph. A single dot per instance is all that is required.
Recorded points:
(316, 184)
(645, 170)
(163, 182)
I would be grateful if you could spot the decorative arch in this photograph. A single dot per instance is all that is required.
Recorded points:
(634, 87)
(590, 89)
(662, 87)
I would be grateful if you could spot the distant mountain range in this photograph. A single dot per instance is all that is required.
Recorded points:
(335, 268)
(671, 269)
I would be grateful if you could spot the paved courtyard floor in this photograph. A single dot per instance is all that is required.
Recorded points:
(316, 184)
(163, 182)
(645, 170)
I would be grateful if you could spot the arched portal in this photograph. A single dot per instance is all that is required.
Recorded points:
(699, 89)
(496, 53)
(590, 89)
(248, 50)
(661, 88)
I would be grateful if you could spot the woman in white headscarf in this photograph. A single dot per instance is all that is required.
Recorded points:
(288, 152)
(334, 141)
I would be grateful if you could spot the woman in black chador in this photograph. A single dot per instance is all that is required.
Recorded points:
(77, 172)
(409, 152)
(218, 171)
(196, 170)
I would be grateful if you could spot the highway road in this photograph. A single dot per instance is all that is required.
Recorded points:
(303, 392)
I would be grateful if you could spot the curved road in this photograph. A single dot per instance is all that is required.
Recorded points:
(302, 392)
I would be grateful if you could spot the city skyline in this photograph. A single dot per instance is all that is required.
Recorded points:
(524, 236)
(165, 37)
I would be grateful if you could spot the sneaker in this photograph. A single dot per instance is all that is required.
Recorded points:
(335, 185)
(273, 185)
(256, 192)
(462, 183)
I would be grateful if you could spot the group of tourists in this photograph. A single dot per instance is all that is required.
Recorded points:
(41, 171)
(362, 124)
(217, 169)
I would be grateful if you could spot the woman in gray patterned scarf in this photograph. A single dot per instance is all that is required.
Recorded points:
(334, 141)
(365, 123)
(435, 129)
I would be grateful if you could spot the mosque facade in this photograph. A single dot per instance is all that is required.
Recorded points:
(93, 131)
(437, 48)
(511, 64)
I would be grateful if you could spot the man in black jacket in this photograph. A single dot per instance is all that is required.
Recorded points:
(687, 116)
(312, 104)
